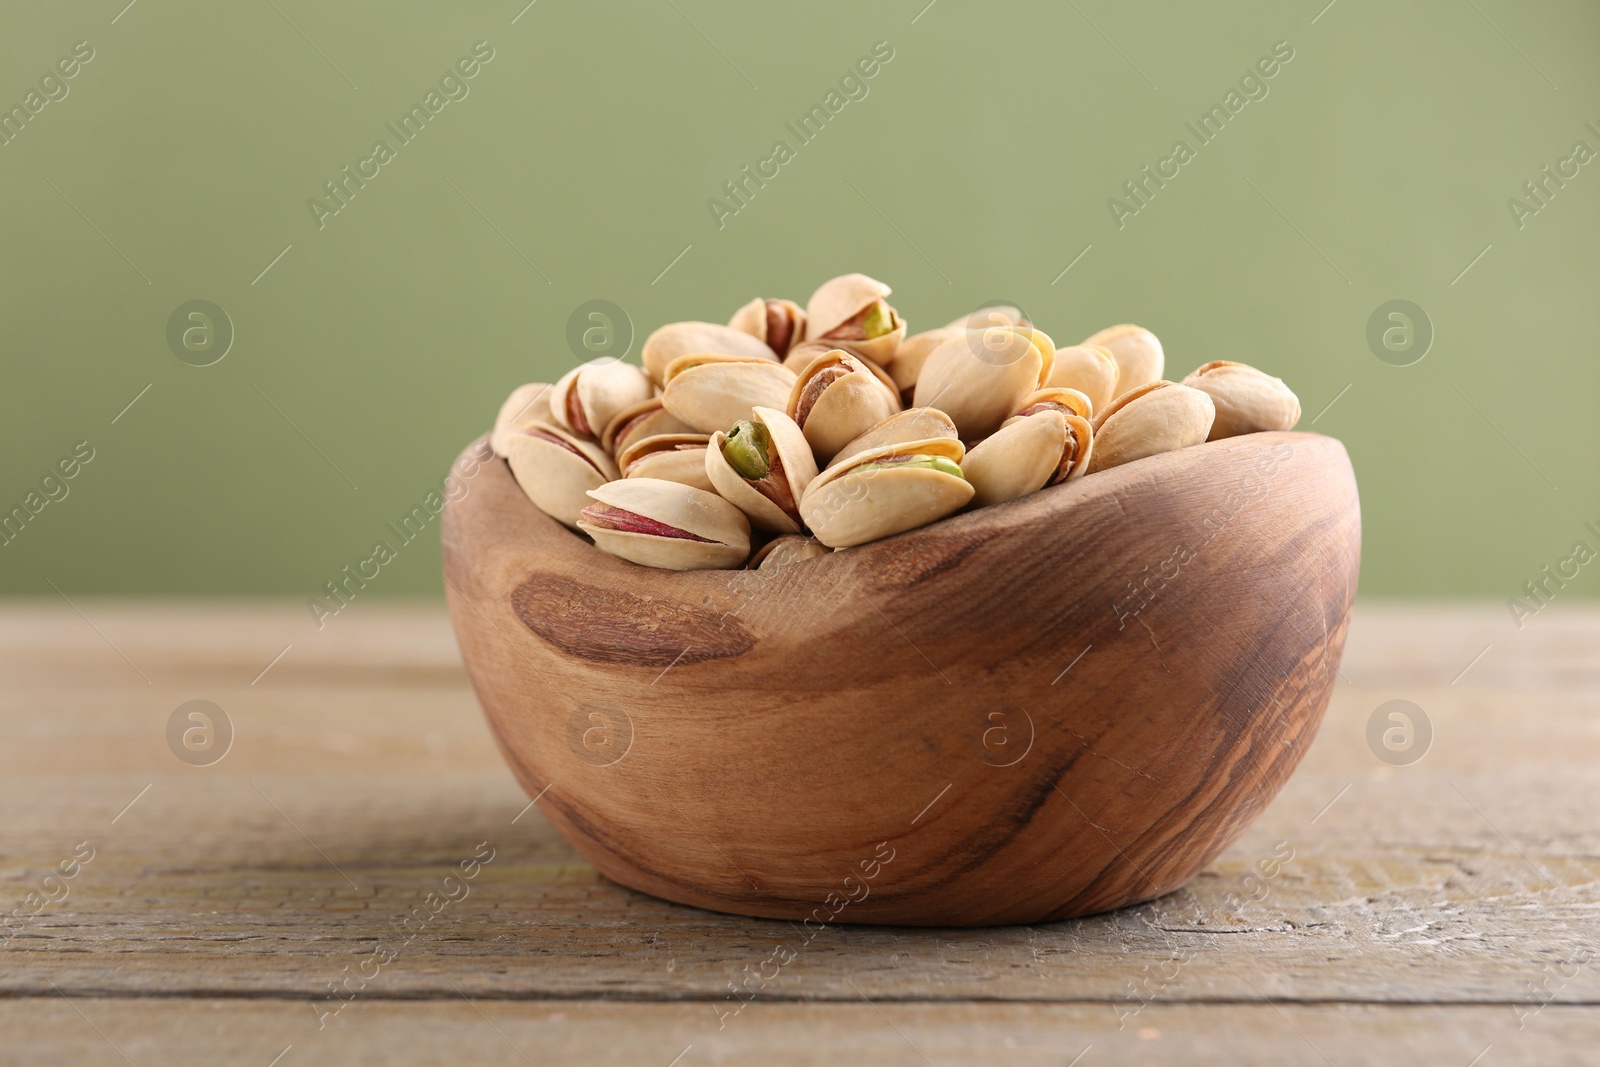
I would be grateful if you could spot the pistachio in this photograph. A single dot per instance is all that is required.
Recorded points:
(838, 398)
(556, 468)
(782, 551)
(1070, 401)
(1247, 400)
(979, 381)
(1137, 351)
(852, 308)
(912, 355)
(710, 392)
(666, 524)
(1154, 418)
(589, 395)
(781, 324)
(697, 338)
(762, 466)
(672, 457)
(527, 404)
(1090, 369)
(634, 423)
(912, 424)
(1045, 444)
(885, 491)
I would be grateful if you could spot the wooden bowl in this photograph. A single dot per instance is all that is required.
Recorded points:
(1049, 708)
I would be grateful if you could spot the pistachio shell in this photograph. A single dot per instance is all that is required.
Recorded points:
(833, 412)
(719, 534)
(979, 378)
(1028, 453)
(672, 457)
(780, 324)
(782, 551)
(838, 300)
(847, 505)
(1090, 369)
(527, 404)
(1137, 351)
(638, 421)
(1247, 400)
(913, 353)
(912, 424)
(556, 469)
(692, 338)
(712, 392)
(992, 315)
(1157, 417)
(589, 395)
(794, 457)
(1060, 397)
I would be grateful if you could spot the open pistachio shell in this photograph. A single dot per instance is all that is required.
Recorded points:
(658, 523)
(636, 422)
(692, 338)
(1137, 351)
(1090, 369)
(1247, 400)
(589, 395)
(1062, 399)
(712, 392)
(838, 398)
(885, 491)
(780, 324)
(1154, 418)
(527, 404)
(979, 378)
(913, 353)
(787, 457)
(556, 468)
(1029, 452)
(672, 457)
(781, 551)
(992, 315)
(912, 424)
(839, 300)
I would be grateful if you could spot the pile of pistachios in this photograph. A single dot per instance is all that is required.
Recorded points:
(798, 431)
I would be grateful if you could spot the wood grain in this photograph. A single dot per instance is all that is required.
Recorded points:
(904, 732)
(1469, 880)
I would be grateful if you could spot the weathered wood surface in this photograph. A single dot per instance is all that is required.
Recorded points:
(1470, 879)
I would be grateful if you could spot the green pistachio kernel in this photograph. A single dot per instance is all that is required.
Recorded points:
(878, 321)
(746, 448)
(930, 463)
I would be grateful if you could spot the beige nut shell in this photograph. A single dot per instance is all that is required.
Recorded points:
(681, 507)
(1158, 417)
(847, 506)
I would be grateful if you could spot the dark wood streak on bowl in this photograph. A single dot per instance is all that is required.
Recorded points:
(750, 741)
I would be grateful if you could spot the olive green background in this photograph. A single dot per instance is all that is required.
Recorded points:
(977, 168)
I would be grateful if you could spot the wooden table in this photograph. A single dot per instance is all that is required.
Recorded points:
(1442, 911)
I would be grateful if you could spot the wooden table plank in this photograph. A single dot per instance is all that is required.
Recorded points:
(362, 774)
(94, 1031)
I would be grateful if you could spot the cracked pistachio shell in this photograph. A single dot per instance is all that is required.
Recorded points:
(979, 378)
(556, 469)
(712, 392)
(1090, 369)
(794, 455)
(638, 421)
(527, 404)
(838, 398)
(1073, 401)
(1137, 351)
(588, 396)
(779, 324)
(694, 338)
(672, 457)
(1028, 453)
(781, 551)
(847, 505)
(912, 424)
(1157, 417)
(721, 536)
(1247, 400)
(838, 300)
